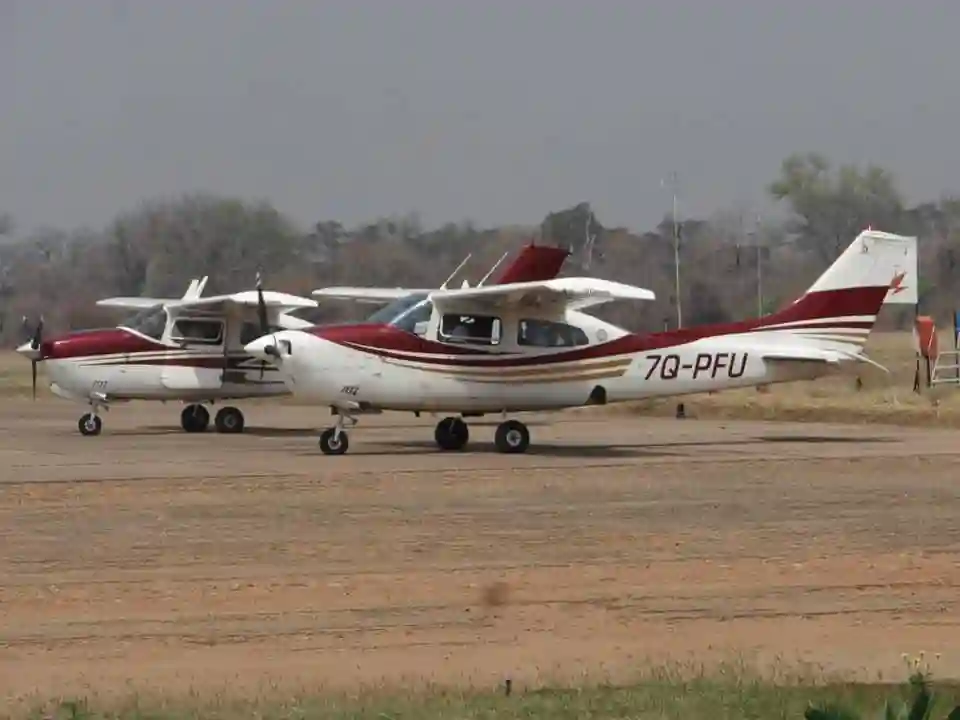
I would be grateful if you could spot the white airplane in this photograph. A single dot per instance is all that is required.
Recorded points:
(528, 346)
(191, 349)
(188, 349)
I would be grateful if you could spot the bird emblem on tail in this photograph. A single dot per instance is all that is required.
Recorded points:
(896, 284)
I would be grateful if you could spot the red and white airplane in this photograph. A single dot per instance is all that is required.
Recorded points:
(528, 346)
(191, 349)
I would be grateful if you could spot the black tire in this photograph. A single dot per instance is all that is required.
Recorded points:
(194, 418)
(512, 437)
(452, 433)
(331, 447)
(229, 420)
(89, 424)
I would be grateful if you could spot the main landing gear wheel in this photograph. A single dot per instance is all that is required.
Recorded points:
(229, 420)
(194, 418)
(333, 443)
(512, 436)
(89, 424)
(452, 433)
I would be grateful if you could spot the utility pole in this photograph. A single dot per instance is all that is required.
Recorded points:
(759, 243)
(676, 247)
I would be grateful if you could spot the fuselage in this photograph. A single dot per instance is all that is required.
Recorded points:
(122, 364)
(387, 368)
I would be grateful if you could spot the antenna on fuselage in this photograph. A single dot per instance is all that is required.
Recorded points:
(495, 266)
(459, 267)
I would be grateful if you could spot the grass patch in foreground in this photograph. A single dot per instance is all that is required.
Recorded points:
(661, 694)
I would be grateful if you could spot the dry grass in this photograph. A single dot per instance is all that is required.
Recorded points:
(881, 398)
(669, 692)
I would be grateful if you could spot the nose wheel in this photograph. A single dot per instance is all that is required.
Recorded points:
(334, 441)
(90, 424)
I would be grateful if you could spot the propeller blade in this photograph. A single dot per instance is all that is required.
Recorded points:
(33, 371)
(262, 308)
(37, 335)
(264, 325)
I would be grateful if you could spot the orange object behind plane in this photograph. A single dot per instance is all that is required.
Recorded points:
(925, 332)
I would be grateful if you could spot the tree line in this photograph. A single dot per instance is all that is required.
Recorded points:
(157, 247)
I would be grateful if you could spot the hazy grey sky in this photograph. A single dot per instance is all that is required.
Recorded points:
(493, 110)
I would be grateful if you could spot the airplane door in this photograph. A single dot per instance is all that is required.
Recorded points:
(198, 363)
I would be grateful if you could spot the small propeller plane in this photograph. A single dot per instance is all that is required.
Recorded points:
(529, 346)
(190, 349)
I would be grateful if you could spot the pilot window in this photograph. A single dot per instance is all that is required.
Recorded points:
(205, 332)
(418, 314)
(151, 321)
(480, 329)
(544, 333)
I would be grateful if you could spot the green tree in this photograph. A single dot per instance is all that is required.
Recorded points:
(830, 208)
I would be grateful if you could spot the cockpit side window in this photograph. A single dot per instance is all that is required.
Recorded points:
(151, 321)
(197, 331)
(412, 318)
(393, 311)
(479, 329)
(545, 333)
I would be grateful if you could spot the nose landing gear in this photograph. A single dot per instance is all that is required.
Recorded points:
(90, 424)
(334, 441)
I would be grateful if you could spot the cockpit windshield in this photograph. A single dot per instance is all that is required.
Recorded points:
(150, 321)
(389, 314)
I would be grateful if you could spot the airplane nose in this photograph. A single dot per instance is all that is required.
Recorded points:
(263, 348)
(30, 352)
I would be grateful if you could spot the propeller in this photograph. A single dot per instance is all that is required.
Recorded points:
(36, 338)
(264, 325)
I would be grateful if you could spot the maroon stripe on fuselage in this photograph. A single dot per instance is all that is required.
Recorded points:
(391, 342)
(92, 343)
(117, 341)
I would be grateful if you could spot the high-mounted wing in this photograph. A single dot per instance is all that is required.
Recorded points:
(570, 293)
(193, 291)
(134, 303)
(369, 295)
(246, 299)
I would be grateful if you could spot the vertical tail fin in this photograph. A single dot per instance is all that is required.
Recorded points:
(841, 307)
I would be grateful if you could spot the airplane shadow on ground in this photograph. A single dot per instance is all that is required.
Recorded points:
(635, 450)
(817, 439)
(621, 450)
(251, 431)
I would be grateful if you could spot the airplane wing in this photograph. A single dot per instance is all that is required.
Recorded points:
(572, 293)
(245, 299)
(194, 289)
(133, 303)
(370, 295)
